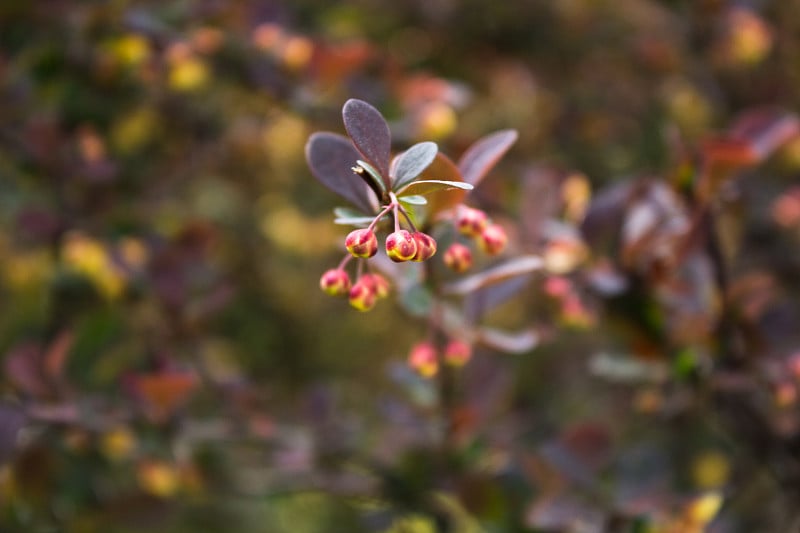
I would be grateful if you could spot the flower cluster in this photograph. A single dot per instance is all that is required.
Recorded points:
(395, 203)
(491, 238)
(401, 245)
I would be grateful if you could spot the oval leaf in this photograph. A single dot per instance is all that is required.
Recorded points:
(414, 200)
(429, 186)
(515, 267)
(482, 156)
(410, 164)
(331, 158)
(504, 341)
(370, 133)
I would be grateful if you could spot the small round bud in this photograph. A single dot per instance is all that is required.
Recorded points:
(471, 222)
(401, 246)
(458, 257)
(362, 295)
(422, 358)
(379, 284)
(426, 246)
(457, 353)
(493, 239)
(362, 243)
(335, 282)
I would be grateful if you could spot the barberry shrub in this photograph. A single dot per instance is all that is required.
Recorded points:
(413, 202)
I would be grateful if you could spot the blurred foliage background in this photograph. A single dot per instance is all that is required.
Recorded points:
(169, 363)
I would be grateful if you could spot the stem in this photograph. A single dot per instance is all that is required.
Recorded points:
(408, 219)
(379, 216)
(344, 261)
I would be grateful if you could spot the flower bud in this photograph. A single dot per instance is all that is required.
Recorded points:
(335, 282)
(362, 295)
(426, 246)
(471, 222)
(458, 257)
(493, 239)
(422, 358)
(379, 284)
(457, 353)
(362, 243)
(401, 246)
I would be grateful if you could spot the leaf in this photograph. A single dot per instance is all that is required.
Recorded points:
(410, 164)
(372, 174)
(331, 158)
(164, 393)
(508, 342)
(370, 134)
(351, 217)
(483, 300)
(359, 222)
(414, 200)
(11, 421)
(442, 168)
(482, 156)
(766, 130)
(515, 267)
(429, 186)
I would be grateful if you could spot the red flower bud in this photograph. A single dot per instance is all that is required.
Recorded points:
(458, 257)
(362, 243)
(457, 353)
(362, 295)
(335, 282)
(471, 222)
(379, 284)
(422, 358)
(426, 246)
(400, 246)
(493, 239)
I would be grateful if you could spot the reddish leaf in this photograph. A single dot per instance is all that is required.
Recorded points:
(331, 158)
(164, 393)
(766, 131)
(370, 133)
(55, 357)
(482, 156)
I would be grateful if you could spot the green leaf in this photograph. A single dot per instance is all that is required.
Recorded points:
(417, 300)
(346, 216)
(429, 186)
(372, 173)
(410, 164)
(415, 199)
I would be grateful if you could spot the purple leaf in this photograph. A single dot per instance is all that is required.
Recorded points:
(483, 300)
(508, 342)
(479, 158)
(523, 264)
(370, 134)
(410, 164)
(331, 158)
(11, 421)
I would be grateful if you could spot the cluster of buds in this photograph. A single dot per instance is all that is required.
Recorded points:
(401, 245)
(491, 238)
(424, 357)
